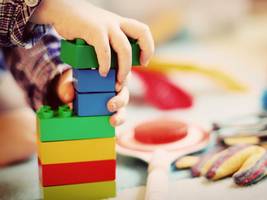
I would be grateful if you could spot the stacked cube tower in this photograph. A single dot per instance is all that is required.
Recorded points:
(76, 149)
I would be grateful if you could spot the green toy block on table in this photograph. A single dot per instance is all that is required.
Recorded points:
(62, 125)
(80, 55)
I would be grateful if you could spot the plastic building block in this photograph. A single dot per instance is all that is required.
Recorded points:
(76, 151)
(80, 55)
(92, 104)
(83, 191)
(89, 80)
(63, 125)
(75, 173)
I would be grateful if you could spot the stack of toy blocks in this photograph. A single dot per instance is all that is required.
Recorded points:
(76, 150)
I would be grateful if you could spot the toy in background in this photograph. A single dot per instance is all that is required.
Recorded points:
(161, 93)
(247, 164)
(76, 151)
(159, 143)
(167, 67)
(240, 152)
(250, 129)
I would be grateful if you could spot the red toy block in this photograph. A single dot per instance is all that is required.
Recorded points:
(75, 173)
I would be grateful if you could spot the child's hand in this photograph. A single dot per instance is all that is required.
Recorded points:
(99, 28)
(65, 92)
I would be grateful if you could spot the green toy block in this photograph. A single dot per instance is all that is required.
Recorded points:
(62, 125)
(80, 55)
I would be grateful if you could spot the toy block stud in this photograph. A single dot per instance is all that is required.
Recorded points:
(45, 112)
(80, 55)
(64, 111)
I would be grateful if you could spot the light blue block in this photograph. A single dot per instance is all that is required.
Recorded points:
(264, 100)
(89, 80)
(92, 104)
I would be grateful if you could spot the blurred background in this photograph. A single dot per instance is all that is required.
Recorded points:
(210, 65)
(201, 18)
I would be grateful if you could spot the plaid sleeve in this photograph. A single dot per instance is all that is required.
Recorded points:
(15, 27)
(36, 68)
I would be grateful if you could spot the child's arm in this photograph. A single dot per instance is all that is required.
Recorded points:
(36, 69)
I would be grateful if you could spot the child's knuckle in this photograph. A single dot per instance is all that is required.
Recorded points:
(126, 49)
(145, 29)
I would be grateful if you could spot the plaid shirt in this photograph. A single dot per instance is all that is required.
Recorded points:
(30, 51)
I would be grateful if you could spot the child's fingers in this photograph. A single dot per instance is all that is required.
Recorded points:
(140, 31)
(65, 89)
(119, 101)
(118, 118)
(119, 86)
(121, 45)
(102, 48)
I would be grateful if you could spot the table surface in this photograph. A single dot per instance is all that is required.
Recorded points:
(212, 103)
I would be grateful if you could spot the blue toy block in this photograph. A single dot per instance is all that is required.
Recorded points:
(92, 104)
(264, 100)
(89, 80)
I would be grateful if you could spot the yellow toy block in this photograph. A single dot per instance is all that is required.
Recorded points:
(76, 150)
(83, 191)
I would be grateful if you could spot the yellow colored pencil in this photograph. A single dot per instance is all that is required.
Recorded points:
(224, 79)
